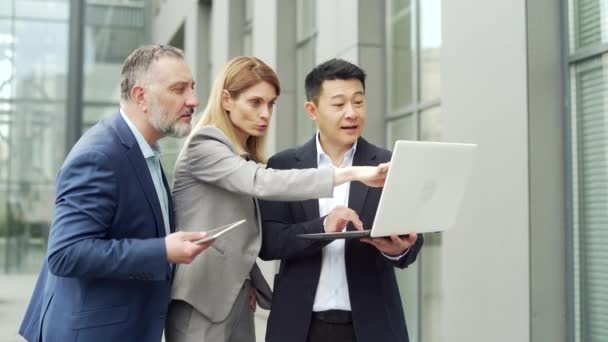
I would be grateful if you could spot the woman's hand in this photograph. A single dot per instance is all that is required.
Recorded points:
(373, 176)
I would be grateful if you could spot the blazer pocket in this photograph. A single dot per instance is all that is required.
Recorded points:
(100, 317)
(217, 249)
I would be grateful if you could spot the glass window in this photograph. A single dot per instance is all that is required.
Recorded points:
(112, 44)
(430, 124)
(247, 29)
(407, 279)
(112, 32)
(589, 23)
(169, 149)
(413, 113)
(43, 9)
(94, 113)
(102, 81)
(588, 86)
(430, 43)
(404, 128)
(37, 132)
(6, 116)
(590, 131)
(306, 19)
(35, 140)
(6, 8)
(248, 10)
(115, 13)
(41, 59)
(305, 62)
(33, 76)
(401, 56)
(105, 50)
(7, 62)
(248, 43)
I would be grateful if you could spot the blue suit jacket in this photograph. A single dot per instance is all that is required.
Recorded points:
(106, 275)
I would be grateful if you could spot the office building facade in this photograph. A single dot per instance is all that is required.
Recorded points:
(525, 80)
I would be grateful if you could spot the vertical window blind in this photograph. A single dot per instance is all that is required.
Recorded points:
(588, 65)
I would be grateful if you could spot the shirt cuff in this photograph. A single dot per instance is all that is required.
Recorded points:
(396, 258)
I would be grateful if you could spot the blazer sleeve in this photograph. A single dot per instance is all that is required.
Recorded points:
(280, 236)
(85, 205)
(211, 161)
(280, 232)
(410, 256)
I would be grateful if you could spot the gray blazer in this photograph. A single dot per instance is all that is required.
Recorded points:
(214, 186)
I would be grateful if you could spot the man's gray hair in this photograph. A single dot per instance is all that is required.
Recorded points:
(139, 61)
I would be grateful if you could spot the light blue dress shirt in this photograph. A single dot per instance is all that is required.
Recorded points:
(152, 157)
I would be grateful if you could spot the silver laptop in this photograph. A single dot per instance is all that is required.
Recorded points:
(422, 192)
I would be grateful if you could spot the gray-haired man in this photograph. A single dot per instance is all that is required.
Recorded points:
(107, 275)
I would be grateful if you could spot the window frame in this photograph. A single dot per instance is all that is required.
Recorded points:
(414, 110)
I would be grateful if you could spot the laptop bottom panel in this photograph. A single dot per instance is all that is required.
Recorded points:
(351, 234)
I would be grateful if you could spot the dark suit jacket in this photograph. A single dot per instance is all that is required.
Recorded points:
(106, 276)
(374, 295)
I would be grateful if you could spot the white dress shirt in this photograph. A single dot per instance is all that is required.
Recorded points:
(332, 290)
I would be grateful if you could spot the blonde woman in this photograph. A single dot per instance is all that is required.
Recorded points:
(219, 175)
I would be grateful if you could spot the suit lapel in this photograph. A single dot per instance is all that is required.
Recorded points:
(364, 156)
(306, 158)
(142, 172)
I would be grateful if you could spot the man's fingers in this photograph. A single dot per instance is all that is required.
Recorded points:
(205, 244)
(354, 218)
(357, 223)
(412, 237)
(376, 242)
(369, 241)
(396, 239)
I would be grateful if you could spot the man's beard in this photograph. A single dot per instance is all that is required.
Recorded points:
(160, 120)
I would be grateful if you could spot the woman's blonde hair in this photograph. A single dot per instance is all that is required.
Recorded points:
(238, 75)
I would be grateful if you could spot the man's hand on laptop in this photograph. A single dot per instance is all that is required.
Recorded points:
(339, 217)
(394, 245)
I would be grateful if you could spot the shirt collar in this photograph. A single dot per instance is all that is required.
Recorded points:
(323, 158)
(146, 149)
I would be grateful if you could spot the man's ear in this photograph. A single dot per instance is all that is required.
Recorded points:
(311, 109)
(138, 97)
(227, 102)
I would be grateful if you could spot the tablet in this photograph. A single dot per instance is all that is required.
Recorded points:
(219, 231)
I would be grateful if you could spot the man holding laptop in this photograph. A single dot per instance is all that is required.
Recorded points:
(345, 289)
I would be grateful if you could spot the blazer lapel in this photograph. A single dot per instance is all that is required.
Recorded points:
(138, 163)
(364, 156)
(306, 158)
